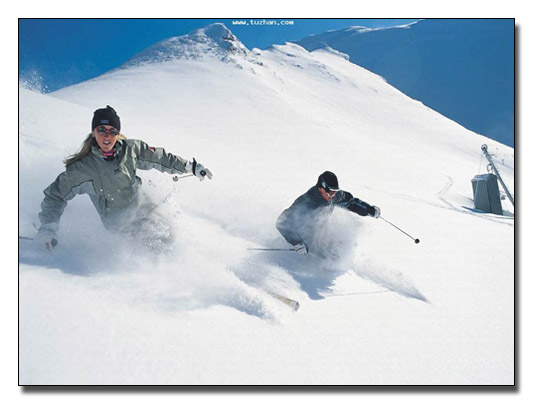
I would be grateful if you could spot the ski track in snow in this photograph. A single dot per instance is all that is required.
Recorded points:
(445, 204)
(155, 283)
(249, 277)
(504, 220)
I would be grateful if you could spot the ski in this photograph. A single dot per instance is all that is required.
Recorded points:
(293, 304)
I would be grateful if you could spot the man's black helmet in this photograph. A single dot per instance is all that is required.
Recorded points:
(328, 181)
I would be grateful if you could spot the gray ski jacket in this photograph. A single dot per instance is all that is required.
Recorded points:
(298, 223)
(111, 183)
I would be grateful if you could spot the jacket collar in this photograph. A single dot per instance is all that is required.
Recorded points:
(112, 155)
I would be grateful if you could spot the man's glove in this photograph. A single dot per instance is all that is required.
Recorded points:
(301, 249)
(200, 171)
(377, 212)
(46, 239)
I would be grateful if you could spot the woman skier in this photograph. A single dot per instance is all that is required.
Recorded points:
(105, 169)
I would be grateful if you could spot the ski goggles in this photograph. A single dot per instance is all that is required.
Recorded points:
(328, 189)
(331, 193)
(104, 131)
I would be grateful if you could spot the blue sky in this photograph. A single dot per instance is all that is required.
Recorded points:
(55, 53)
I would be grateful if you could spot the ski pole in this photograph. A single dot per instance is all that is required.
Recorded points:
(416, 240)
(270, 249)
(177, 178)
(53, 243)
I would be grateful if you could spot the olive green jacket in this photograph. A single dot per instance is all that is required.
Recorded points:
(112, 184)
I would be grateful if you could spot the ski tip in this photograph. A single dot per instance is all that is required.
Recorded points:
(293, 304)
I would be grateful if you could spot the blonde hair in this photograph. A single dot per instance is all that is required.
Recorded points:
(85, 149)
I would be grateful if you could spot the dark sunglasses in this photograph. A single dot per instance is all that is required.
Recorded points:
(104, 131)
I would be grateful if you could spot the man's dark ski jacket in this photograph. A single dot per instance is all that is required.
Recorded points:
(309, 211)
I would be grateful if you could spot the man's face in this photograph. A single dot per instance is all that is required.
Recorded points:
(327, 195)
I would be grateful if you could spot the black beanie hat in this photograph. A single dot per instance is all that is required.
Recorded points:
(328, 181)
(106, 116)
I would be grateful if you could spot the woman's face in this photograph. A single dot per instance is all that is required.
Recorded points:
(106, 137)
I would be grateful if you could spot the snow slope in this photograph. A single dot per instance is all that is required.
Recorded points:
(462, 68)
(101, 310)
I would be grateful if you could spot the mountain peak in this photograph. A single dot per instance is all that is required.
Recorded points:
(213, 40)
(217, 32)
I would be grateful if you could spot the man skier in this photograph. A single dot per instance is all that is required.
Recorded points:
(298, 223)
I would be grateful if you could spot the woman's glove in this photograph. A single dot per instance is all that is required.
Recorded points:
(46, 238)
(200, 171)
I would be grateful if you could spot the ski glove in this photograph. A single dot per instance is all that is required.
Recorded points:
(301, 249)
(46, 239)
(377, 212)
(199, 170)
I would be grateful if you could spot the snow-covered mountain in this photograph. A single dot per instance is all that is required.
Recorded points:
(101, 310)
(462, 68)
(215, 40)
